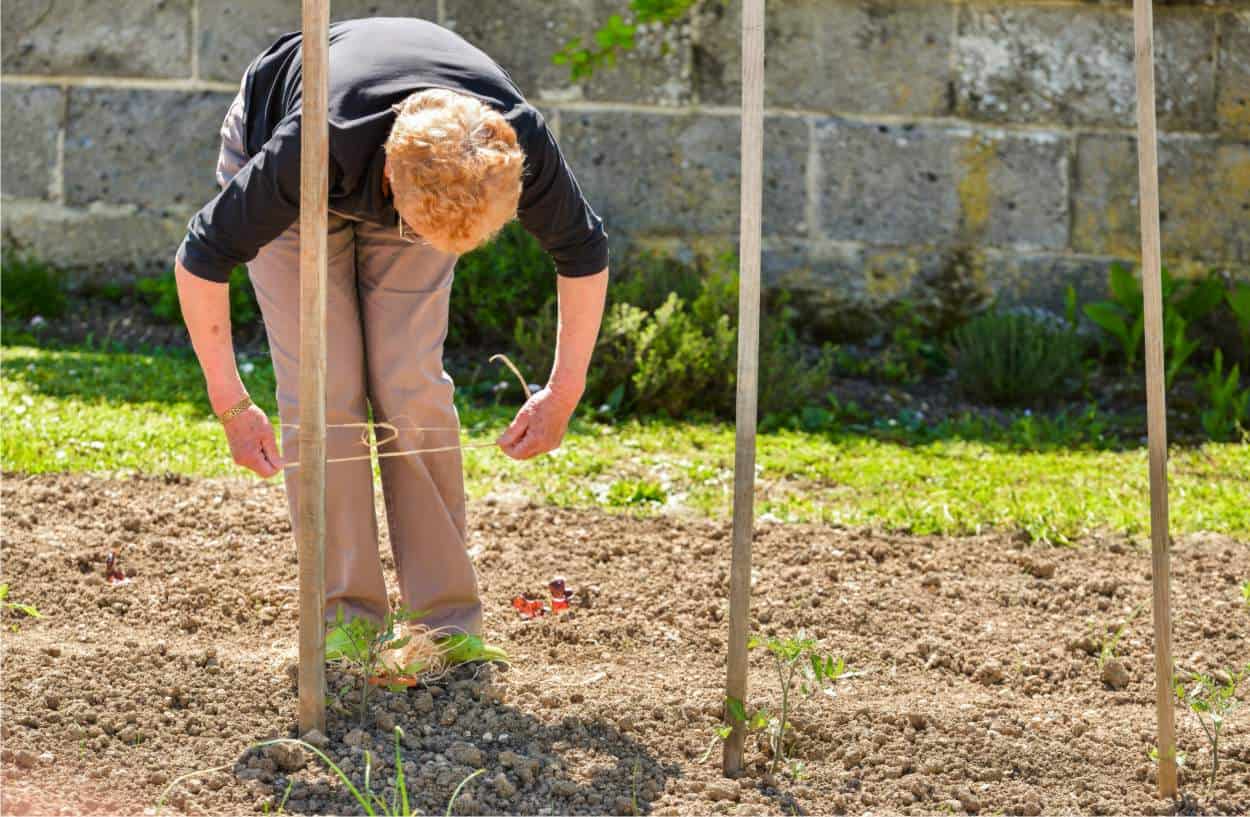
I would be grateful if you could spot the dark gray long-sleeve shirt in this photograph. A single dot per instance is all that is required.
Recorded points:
(374, 64)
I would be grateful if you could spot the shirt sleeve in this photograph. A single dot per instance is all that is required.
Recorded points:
(254, 208)
(554, 211)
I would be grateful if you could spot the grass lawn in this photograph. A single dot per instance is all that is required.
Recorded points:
(83, 410)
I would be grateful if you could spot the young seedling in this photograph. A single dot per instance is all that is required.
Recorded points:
(1107, 646)
(794, 658)
(366, 643)
(369, 802)
(28, 610)
(1211, 701)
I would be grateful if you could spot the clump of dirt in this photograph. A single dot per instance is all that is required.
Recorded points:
(981, 689)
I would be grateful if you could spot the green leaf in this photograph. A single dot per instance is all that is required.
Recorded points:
(1125, 288)
(736, 710)
(759, 720)
(724, 732)
(4, 591)
(1108, 317)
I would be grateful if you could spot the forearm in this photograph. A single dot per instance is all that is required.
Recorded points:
(206, 312)
(581, 302)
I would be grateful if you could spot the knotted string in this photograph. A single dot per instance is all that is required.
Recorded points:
(394, 431)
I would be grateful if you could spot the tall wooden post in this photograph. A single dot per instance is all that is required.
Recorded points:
(314, 199)
(1156, 410)
(748, 366)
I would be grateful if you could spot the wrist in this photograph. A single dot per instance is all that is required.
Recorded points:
(567, 387)
(225, 393)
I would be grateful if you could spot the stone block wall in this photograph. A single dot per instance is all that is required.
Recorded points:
(907, 140)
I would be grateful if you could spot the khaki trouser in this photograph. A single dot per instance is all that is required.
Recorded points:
(386, 319)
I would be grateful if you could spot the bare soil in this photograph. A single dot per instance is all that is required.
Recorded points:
(981, 689)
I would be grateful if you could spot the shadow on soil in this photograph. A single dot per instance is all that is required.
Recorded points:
(577, 764)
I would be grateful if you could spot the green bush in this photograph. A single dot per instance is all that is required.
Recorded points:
(509, 279)
(1227, 403)
(668, 344)
(160, 293)
(29, 288)
(1186, 303)
(1016, 357)
(793, 379)
(685, 361)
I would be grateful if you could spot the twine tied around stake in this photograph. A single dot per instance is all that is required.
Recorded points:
(394, 431)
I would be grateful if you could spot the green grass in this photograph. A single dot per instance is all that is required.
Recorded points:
(82, 410)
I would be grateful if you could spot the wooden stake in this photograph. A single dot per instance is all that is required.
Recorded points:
(748, 366)
(1156, 410)
(314, 199)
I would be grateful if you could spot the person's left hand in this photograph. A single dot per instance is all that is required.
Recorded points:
(540, 424)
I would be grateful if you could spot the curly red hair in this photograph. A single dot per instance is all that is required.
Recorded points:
(454, 168)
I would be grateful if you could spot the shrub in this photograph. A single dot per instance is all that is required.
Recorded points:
(29, 288)
(509, 279)
(1122, 318)
(1015, 357)
(668, 344)
(160, 293)
(1227, 403)
(792, 378)
(683, 362)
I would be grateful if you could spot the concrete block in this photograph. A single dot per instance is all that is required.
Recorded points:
(849, 289)
(96, 237)
(659, 174)
(880, 184)
(1074, 65)
(32, 118)
(1013, 189)
(846, 56)
(153, 148)
(1042, 279)
(523, 35)
(233, 32)
(1204, 192)
(133, 38)
(1233, 103)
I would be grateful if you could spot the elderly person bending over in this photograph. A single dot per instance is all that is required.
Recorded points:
(432, 150)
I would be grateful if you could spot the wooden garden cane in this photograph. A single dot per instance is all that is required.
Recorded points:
(313, 201)
(1156, 412)
(748, 366)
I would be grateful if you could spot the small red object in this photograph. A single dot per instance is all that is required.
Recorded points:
(560, 594)
(112, 570)
(528, 607)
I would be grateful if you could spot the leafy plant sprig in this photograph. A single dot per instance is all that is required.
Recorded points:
(28, 610)
(1211, 702)
(616, 36)
(1123, 316)
(794, 658)
(1227, 402)
(367, 643)
(1239, 301)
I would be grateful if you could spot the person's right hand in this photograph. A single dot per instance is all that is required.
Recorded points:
(252, 443)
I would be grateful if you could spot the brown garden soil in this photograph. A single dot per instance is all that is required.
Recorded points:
(978, 690)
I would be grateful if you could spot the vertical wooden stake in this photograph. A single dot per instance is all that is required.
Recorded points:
(748, 366)
(313, 201)
(1156, 410)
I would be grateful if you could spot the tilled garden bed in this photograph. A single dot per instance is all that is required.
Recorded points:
(978, 688)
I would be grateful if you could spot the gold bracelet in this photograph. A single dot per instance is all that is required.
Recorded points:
(235, 410)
